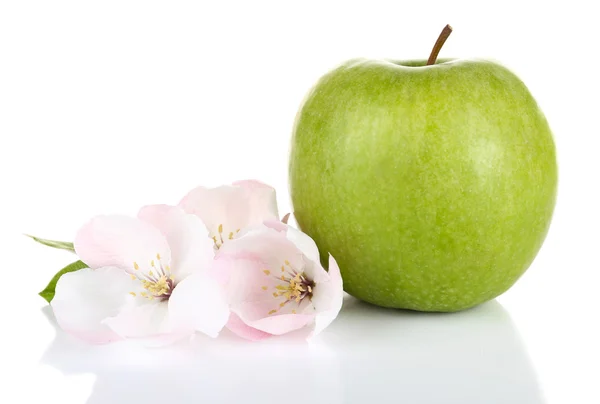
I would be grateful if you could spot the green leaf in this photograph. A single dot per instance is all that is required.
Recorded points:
(48, 293)
(62, 245)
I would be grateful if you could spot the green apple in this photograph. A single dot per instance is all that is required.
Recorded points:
(432, 185)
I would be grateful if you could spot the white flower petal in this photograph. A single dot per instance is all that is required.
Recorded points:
(328, 298)
(122, 242)
(261, 199)
(198, 303)
(146, 322)
(241, 329)
(269, 246)
(281, 323)
(86, 297)
(304, 243)
(257, 261)
(227, 209)
(191, 248)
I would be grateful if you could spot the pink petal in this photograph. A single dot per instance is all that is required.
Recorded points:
(226, 210)
(282, 323)
(304, 243)
(198, 303)
(276, 225)
(257, 261)
(301, 240)
(86, 297)
(220, 270)
(328, 298)
(238, 327)
(122, 242)
(191, 248)
(266, 245)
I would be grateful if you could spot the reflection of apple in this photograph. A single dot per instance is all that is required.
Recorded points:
(391, 356)
(433, 186)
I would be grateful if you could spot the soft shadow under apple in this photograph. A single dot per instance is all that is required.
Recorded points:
(369, 354)
(474, 356)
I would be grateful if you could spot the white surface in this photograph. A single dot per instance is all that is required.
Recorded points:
(107, 106)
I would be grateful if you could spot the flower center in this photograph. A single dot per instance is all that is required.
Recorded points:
(298, 288)
(294, 286)
(160, 288)
(157, 285)
(218, 238)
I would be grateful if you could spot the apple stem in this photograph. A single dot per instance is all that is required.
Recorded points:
(438, 44)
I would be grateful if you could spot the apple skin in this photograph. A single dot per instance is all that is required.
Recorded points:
(432, 186)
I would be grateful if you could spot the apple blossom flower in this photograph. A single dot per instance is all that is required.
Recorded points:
(147, 280)
(276, 283)
(228, 209)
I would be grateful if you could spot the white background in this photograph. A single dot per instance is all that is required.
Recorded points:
(106, 106)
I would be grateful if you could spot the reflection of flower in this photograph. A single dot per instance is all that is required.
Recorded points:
(228, 209)
(276, 283)
(147, 280)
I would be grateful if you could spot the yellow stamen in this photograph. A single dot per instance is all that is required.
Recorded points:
(266, 271)
(151, 273)
(136, 266)
(238, 230)
(158, 288)
(282, 304)
(282, 268)
(273, 312)
(296, 289)
(168, 268)
(133, 277)
(293, 311)
(220, 228)
(231, 236)
(264, 287)
(286, 262)
(158, 256)
(152, 263)
(132, 294)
